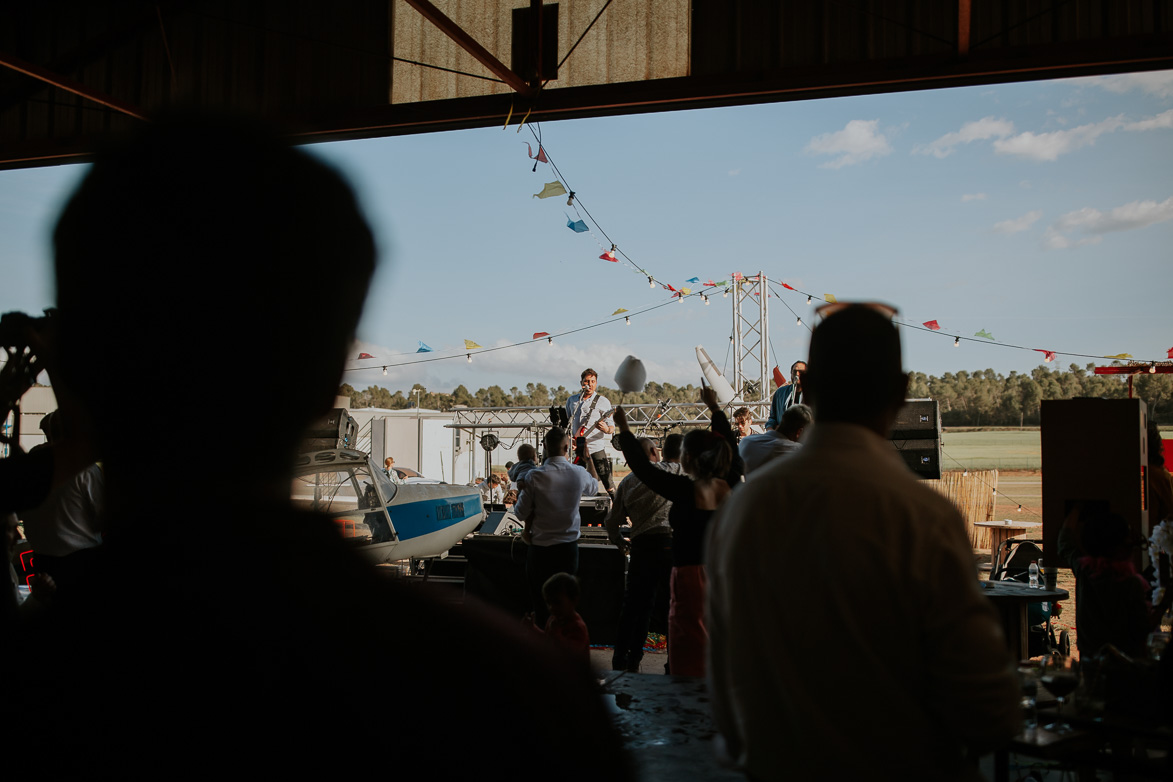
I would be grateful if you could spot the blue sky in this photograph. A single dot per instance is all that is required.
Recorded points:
(1040, 212)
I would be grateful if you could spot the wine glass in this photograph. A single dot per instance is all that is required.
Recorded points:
(1028, 679)
(1061, 678)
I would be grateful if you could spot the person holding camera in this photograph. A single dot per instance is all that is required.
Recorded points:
(548, 505)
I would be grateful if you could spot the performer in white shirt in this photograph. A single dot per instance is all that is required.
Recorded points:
(589, 414)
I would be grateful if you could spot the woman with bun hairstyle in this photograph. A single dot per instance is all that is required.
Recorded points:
(712, 466)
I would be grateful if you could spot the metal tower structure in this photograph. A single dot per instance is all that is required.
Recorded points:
(751, 339)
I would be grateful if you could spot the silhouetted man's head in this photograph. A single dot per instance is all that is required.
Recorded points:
(854, 373)
(210, 277)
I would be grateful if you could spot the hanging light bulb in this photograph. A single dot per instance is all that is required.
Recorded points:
(681, 297)
(808, 299)
(569, 201)
(549, 340)
(1020, 509)
(627, 320)
(965, 473)
(725, 294)
(469, 357)
(651, 283)
(957, 342)
(798, 321)
(384, 371)
(706, 298)
(1153, 369)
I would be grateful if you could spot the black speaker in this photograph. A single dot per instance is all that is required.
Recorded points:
(336, 430)
(916, 435)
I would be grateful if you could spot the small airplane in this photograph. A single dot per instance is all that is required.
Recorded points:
(387, 520)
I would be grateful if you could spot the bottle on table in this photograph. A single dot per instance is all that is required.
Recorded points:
(1034, 574)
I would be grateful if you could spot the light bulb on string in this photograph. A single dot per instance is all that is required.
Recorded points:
(1153, 369)
(725, 294)
(957, 342)
(681, 297)
(706, 298)
(569, 201)
(798, 321)
(808, 299)
(469, 357)
(651, 283)
(1020, 509)
(965, 474)
(627, 320)
(549, 340)
(384, 371)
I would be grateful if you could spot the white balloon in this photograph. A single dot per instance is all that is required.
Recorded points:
(631, 375)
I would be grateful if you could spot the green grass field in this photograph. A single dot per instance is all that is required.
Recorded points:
(991, 450)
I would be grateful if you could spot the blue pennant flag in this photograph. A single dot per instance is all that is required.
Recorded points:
(693, 279)
(578, 226)
(423, 348)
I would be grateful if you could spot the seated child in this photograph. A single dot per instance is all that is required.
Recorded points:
(565, 627)
(1111, 598)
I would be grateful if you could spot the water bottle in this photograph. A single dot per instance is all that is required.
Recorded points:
(1034, 574)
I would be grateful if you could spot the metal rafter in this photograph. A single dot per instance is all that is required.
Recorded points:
(69, 85)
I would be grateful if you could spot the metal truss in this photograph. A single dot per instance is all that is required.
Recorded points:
(751, 341)
(647, 418)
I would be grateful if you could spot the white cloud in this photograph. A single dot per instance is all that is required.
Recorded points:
(1049, 146)
(973, 197)
(979, 130)
(1018, 224)
(1158, 83)
(1093, 223)
(860, 140)
(1163, 121)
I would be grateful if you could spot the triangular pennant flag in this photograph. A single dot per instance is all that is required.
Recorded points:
(541, 157)
(469, 345)
(779, 378)
(830, 298)
(711, 284)
(619, 311)
(423, 348)
(669, 288)
(540, 334)
(365, 355)
(1048, 355)
(550, 190)
(1120, 355)
(1170, 353)
(789, 288)
(738, 276)
(983, 334)
(686, 291)
(932, 324)
(578, 226)
(721, 284)
(693, 279)
(609, 256)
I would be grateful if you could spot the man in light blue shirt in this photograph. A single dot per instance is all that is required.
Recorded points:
(548, 505)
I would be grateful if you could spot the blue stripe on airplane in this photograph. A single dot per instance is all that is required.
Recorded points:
(415, 519)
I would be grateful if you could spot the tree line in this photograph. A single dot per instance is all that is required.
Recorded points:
(980, 398)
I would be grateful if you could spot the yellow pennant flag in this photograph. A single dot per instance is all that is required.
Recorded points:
(618, 311)
(1120, 355)
(550, 190)
(829, 298)
(686, 291)
(469, 345)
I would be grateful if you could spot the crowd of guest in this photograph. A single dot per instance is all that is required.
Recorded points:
(259, 636)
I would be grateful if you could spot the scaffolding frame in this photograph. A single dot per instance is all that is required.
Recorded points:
(751, 340)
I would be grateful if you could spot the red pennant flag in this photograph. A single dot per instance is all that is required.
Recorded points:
(1170, 352)
(711, 284)
(1048, 355)
(609, 256)
(365, 355)
(779, 378)
(787, 287)
(541, 158)
(738, 276)
(540, 334)
(932, 324)
(669, 287)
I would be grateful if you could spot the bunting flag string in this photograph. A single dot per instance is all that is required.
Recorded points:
(614, 255)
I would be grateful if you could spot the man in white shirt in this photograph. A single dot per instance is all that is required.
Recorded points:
(548, 505)
(757, 449)
(588, 412)
(846, 622)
